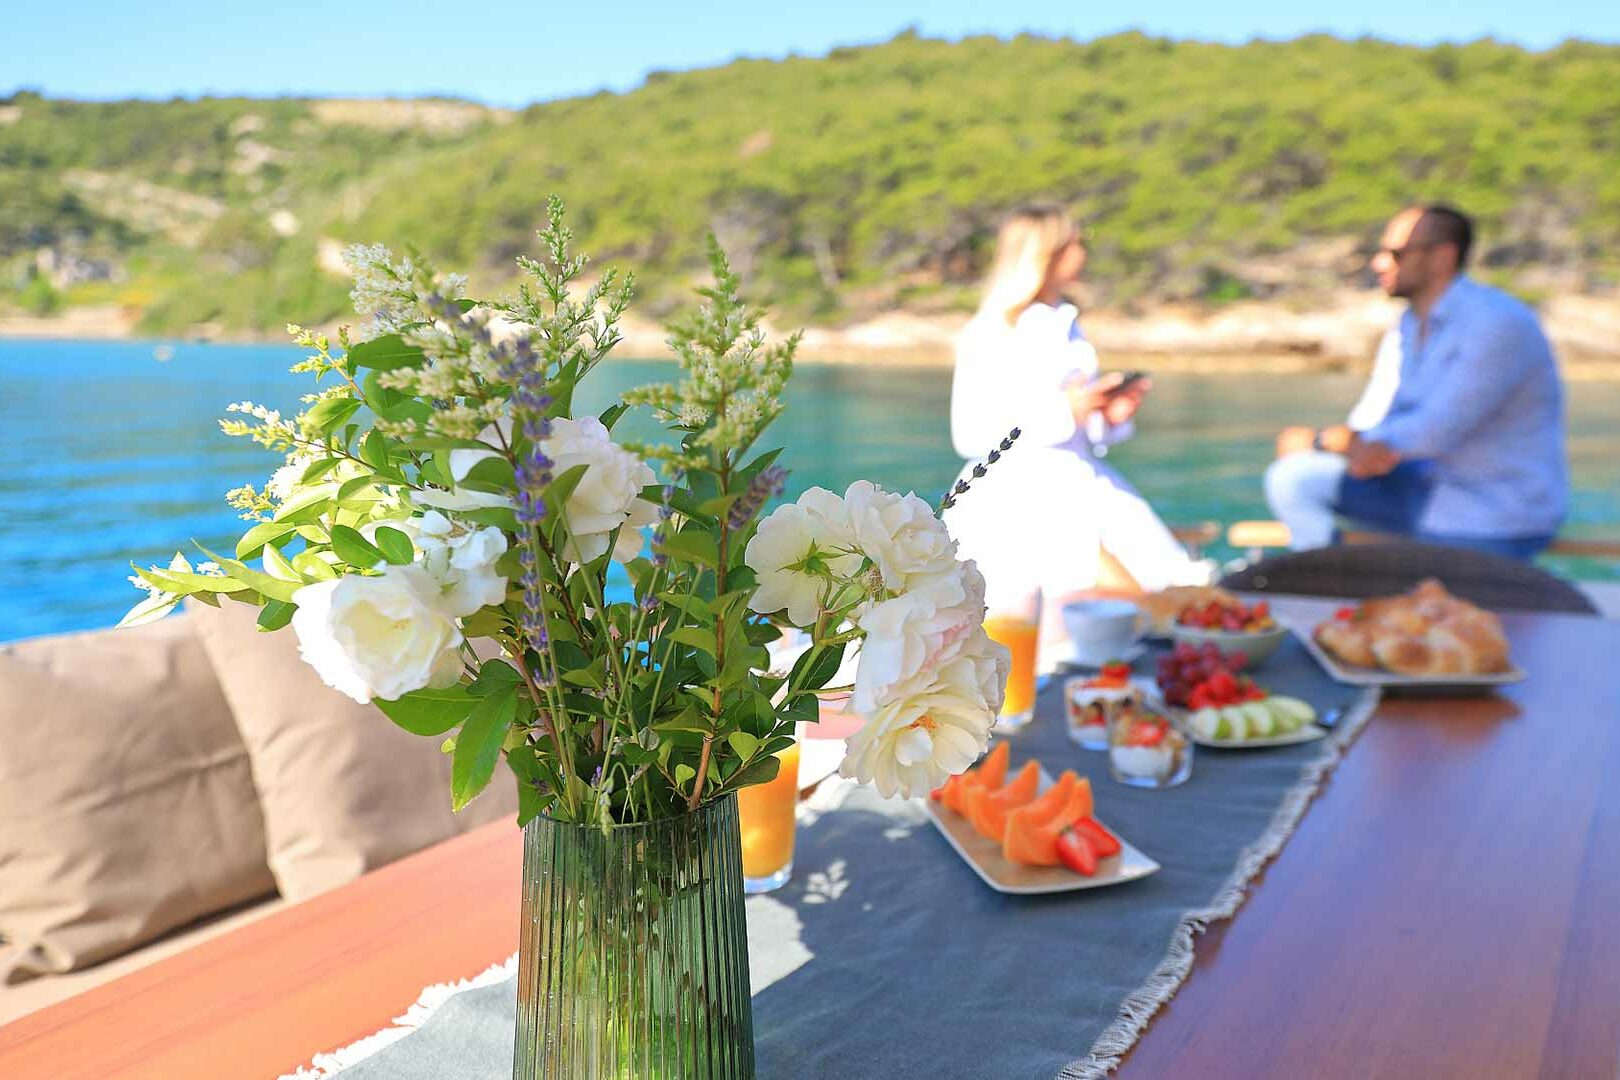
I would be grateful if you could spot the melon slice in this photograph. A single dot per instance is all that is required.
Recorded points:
(988, 809)
(990, 772)
(1031, 838)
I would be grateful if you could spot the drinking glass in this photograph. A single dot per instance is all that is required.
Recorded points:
(766, 814)
(1019, 630)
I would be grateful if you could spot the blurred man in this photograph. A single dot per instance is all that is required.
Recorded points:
(1470, 452)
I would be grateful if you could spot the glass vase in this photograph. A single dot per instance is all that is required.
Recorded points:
(633, 951)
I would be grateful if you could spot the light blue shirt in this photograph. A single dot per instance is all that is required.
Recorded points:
(1480, 398)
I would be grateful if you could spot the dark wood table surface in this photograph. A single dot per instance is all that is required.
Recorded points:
(1449, 907)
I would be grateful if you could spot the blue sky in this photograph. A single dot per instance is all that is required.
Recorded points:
(509, 52)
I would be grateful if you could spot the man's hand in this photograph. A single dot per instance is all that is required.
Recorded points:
(1295, 440)
(1369, 459)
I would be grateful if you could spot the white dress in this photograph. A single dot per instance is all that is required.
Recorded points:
(1037, 521)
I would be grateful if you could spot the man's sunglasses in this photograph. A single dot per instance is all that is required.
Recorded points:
(1397, 254)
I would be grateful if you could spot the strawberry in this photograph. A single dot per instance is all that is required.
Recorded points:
(1075, 852)
(1345, 614)
(1103, 842)
(1145, 735)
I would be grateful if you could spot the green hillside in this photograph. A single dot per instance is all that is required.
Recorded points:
(844, 184)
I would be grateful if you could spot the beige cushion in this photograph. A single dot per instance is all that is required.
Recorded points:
(342, 788)
(126, 803)
(36, 994)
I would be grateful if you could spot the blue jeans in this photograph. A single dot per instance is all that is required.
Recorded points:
(1308, 490)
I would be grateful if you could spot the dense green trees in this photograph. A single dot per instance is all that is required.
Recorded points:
(874, 174)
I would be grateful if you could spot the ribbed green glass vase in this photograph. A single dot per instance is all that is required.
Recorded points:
(633, 954)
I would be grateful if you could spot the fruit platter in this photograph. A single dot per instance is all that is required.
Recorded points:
(1028, 833)
(1246, 633)
(1218, 706)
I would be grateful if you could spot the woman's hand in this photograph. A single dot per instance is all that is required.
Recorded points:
(1099, 395)
(1122, 406)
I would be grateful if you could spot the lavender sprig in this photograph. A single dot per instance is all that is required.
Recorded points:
(962, 487)
(765, 485)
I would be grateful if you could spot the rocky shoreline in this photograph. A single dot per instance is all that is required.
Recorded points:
(1339, 334)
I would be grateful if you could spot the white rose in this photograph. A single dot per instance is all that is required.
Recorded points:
(791, 548)
(900, 533)
(460, 558)
(377, 637)
(915, 632)
(608, 494)
(933, 727)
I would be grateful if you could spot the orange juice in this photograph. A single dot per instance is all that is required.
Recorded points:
(1018, 633)
(766, 815)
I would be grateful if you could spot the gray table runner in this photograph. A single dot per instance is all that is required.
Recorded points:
(887, 957)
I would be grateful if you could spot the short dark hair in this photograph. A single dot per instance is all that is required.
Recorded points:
(1444, 224)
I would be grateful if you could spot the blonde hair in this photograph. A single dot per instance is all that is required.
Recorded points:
(1028, 240)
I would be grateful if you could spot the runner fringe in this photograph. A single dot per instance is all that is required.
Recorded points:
(1140, 1006)
(325, 1065)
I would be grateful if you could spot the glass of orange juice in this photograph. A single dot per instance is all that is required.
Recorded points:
(1019, 631)
(766, 813)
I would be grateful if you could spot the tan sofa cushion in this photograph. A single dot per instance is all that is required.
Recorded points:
(342, 788)
(127, 806)
(36, 994)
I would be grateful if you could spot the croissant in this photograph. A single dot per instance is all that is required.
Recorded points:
(1424, 632)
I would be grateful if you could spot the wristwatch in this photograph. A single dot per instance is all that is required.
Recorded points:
(1316, 440)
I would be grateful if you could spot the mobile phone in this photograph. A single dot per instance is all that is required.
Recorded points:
(1127, 382)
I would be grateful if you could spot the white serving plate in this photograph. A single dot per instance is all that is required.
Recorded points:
(1150, 693)
(1365, 676)
(985, 857)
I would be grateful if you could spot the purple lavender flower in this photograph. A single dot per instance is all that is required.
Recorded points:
(766, 484)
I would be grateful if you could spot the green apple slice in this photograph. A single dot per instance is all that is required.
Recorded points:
(1299, 712)
(1259, 718)
(1206, 722)
(1234, 723)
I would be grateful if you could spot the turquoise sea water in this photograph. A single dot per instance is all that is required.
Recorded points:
(110, 455)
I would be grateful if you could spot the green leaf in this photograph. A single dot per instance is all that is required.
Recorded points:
(489, 474)
(611, 414)
(374, 450)
(312, 565)
(275, 614)
(696, 637)
(312, 499)
(325, 416)
(429, 712)
(816, 667)
(395, 546)
(683, 774)
(273, 588)
(478, 745)
(261, 534)
(495, 676)
(385, 354)
(320, 468)
(762, 771)
(693, 546)
(276, 565)
(688, 719)
(499, 516)
(744, 743)
(354, 549)
(153, 608)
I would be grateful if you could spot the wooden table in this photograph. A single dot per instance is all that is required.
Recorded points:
(1447, 908)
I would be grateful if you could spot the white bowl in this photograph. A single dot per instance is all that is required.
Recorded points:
(1256, 645)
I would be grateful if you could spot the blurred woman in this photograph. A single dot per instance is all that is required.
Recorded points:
(1044, 513)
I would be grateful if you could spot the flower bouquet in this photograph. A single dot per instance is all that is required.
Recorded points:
(450, 540)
